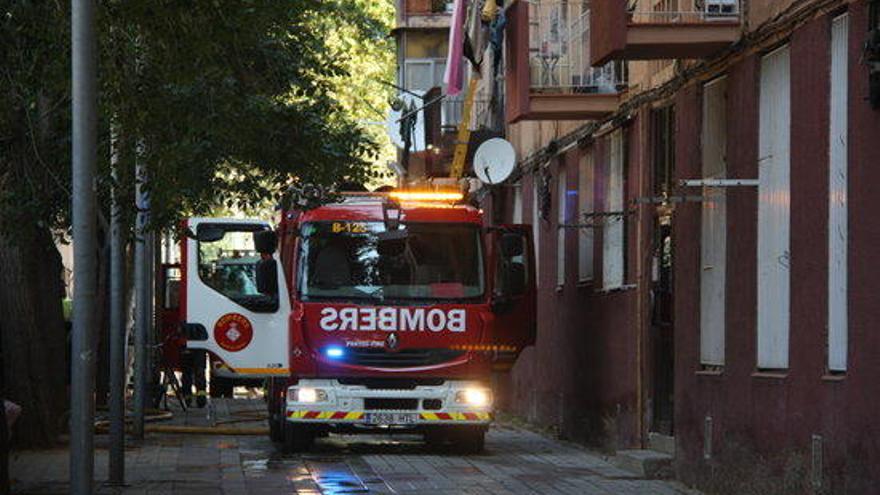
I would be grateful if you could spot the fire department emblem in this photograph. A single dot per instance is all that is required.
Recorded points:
(391, 342)
(233, 332)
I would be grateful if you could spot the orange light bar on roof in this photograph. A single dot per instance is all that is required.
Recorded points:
(426, 196)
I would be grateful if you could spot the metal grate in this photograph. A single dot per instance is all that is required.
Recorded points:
(377, 383)
(390, 404)
(403, 358)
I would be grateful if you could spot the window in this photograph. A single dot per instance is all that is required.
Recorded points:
(837, 207)
(614, 226)
(228, 264)
(536, 224)
(171, 293)
(585, 207)
(363, 261)
(561, 205)
(774, 256)
(517, 203)
(420, 74)
(713, 245)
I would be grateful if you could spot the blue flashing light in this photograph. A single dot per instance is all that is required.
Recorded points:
(334, 352)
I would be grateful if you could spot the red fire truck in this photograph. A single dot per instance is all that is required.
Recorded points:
(376, 311)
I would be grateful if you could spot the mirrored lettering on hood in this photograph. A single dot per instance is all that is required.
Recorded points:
(370, 319)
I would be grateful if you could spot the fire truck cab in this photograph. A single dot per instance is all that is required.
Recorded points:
(377, 311)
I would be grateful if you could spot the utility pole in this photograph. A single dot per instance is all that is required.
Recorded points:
(82, 362)
(141, 285)
(117, 325)
(151, 318)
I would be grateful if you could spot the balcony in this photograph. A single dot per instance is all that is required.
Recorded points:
(452, 112)
(549, 76)
(662, 29)
(424, 14)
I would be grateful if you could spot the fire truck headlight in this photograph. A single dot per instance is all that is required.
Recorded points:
(475, 397)
(306, 395)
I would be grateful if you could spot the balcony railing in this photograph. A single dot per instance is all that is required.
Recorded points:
(428, 7)
(559, 51)
(685, 11)
(452, 111)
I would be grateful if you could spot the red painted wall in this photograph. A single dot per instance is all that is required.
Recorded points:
(582, 376)
(607, 29)
(762, 425)
(516, 74)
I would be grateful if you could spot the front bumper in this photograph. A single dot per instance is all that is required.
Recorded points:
(358, 405)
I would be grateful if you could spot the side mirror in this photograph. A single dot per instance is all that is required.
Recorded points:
(210, 233)
(514, 279)
(265, 241)
(267, 277)
(512, 245)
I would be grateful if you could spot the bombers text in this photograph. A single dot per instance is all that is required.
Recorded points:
(393, 319)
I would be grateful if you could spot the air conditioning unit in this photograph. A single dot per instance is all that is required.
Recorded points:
(716, 9)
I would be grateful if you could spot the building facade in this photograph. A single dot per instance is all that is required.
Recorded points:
(731, 311)
(700, 176)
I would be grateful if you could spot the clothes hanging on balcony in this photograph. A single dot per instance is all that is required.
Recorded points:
(496, 40)
(476, 38)
(489, 11)
(453, 78)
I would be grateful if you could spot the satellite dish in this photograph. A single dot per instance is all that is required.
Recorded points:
(407, 104)
(494, 161)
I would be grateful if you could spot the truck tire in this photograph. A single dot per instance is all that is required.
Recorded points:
(276, 410)
(468, 439)
(221, 386)
(297, 438)
(435, 438)
(276, 428)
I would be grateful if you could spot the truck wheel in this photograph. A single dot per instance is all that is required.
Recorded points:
(469, 439)
(221, 387)
(297, 438)
(276, 428)
(276, 409)
(434, 438)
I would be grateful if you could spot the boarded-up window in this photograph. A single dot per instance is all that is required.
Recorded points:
(713, 246)
(614, 226)
(536, 224)
(585, 207)
(561, 205)
(837, 207)
(774, 258)
(517, 203)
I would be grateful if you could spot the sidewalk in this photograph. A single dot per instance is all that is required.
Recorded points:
(516, 461)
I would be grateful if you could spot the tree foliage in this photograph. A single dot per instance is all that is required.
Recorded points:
(221, 100)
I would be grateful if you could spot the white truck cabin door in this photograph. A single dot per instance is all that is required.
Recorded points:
(230, 311)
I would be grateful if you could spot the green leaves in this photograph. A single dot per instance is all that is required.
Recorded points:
(223, 101)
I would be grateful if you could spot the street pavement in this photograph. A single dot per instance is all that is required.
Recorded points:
(516, 461)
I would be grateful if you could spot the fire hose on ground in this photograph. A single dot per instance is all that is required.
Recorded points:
(153, 416)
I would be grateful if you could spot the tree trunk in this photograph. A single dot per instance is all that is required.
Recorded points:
(4, 434)
(102, 321)
(34, 339)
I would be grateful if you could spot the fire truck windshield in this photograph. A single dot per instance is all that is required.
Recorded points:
(362, 260)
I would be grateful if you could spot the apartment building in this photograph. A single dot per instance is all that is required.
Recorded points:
(701, 179)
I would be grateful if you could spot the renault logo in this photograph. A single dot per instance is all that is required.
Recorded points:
(391, 342)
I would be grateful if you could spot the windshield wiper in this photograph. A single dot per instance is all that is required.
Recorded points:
(377, 293)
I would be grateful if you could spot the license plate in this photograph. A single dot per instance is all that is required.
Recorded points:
(381, 418)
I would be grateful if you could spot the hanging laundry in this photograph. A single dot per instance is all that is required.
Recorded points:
(490, 10)
(476, 37)
(453, 78)
(496, 39)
